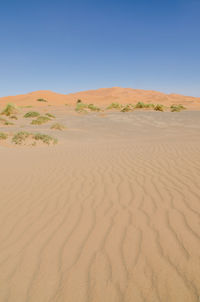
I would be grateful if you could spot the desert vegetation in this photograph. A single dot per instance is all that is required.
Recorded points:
(159, 107)
(14, 117)
(114, 106)
(177, 108)
(42, 100)
(82, 107)
(9, 110)
(58, 126)
(31, 114)
(3, 136)
(50, 115)
(40, 120)
(21, 138)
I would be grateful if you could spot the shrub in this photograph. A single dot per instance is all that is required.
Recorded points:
(26, 106)
(50, 115)
(14, 117)
(177, 108)
(58, 126)
(93, 108)
(80, 107)
(3, 135)
(31, 114)
(20, 137)
(47, 139)
(149, 106)
(41, 100)
(140, 105)
(159, 107)
(127, 108)
(40, 120)
(9, 110)
(114, 106)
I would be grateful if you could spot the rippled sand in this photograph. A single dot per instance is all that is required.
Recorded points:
(110, 214)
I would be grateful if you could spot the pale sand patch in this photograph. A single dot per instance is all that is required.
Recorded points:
(109, 214)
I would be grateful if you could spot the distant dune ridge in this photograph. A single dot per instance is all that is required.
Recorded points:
(104, 96)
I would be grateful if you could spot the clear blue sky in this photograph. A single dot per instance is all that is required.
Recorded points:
(68, 46)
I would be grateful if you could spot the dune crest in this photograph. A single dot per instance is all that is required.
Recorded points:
(104, 96)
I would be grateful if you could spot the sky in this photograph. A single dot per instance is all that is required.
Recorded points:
(69, 46)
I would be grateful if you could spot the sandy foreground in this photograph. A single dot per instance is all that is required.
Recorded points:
(109, 214)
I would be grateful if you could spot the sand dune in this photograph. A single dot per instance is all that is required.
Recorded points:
(109, 214)
(104, 97)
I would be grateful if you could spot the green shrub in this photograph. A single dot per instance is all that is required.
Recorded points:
(50, 115)
(58, 126)
(149, 106)
(40, 120)
(93, 108)
(114, 106)
(26, 106)
(9, 110)
(31, 114)
(80, 107)
(140, 105)
(177, 108)
(41, 100)
(20, 137)
(3, 135)
(159, 107)
(127, 108)
(47, 139)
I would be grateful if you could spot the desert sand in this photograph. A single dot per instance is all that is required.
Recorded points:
(104, 97)
(109, 214)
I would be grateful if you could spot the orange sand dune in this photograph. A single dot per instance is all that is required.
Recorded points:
(104, 96)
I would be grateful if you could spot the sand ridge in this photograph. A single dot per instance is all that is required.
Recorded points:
(104, 96)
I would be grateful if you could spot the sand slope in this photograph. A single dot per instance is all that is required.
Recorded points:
(104, 97)
(106, 215)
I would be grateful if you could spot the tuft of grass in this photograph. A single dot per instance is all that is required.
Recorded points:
(14, 117)
(41, 100)
(80, 107)
(9, 110)
(114, 106)
(50, 115)
(140, 105)
(3, 136)
(159, 107)
(40, 120)
(20, 137)
(58, 126)
(177, 108)
(127, 108)
(46, 139)
(31, 114)
(26, 106)
(150, 106)
(92, 107)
